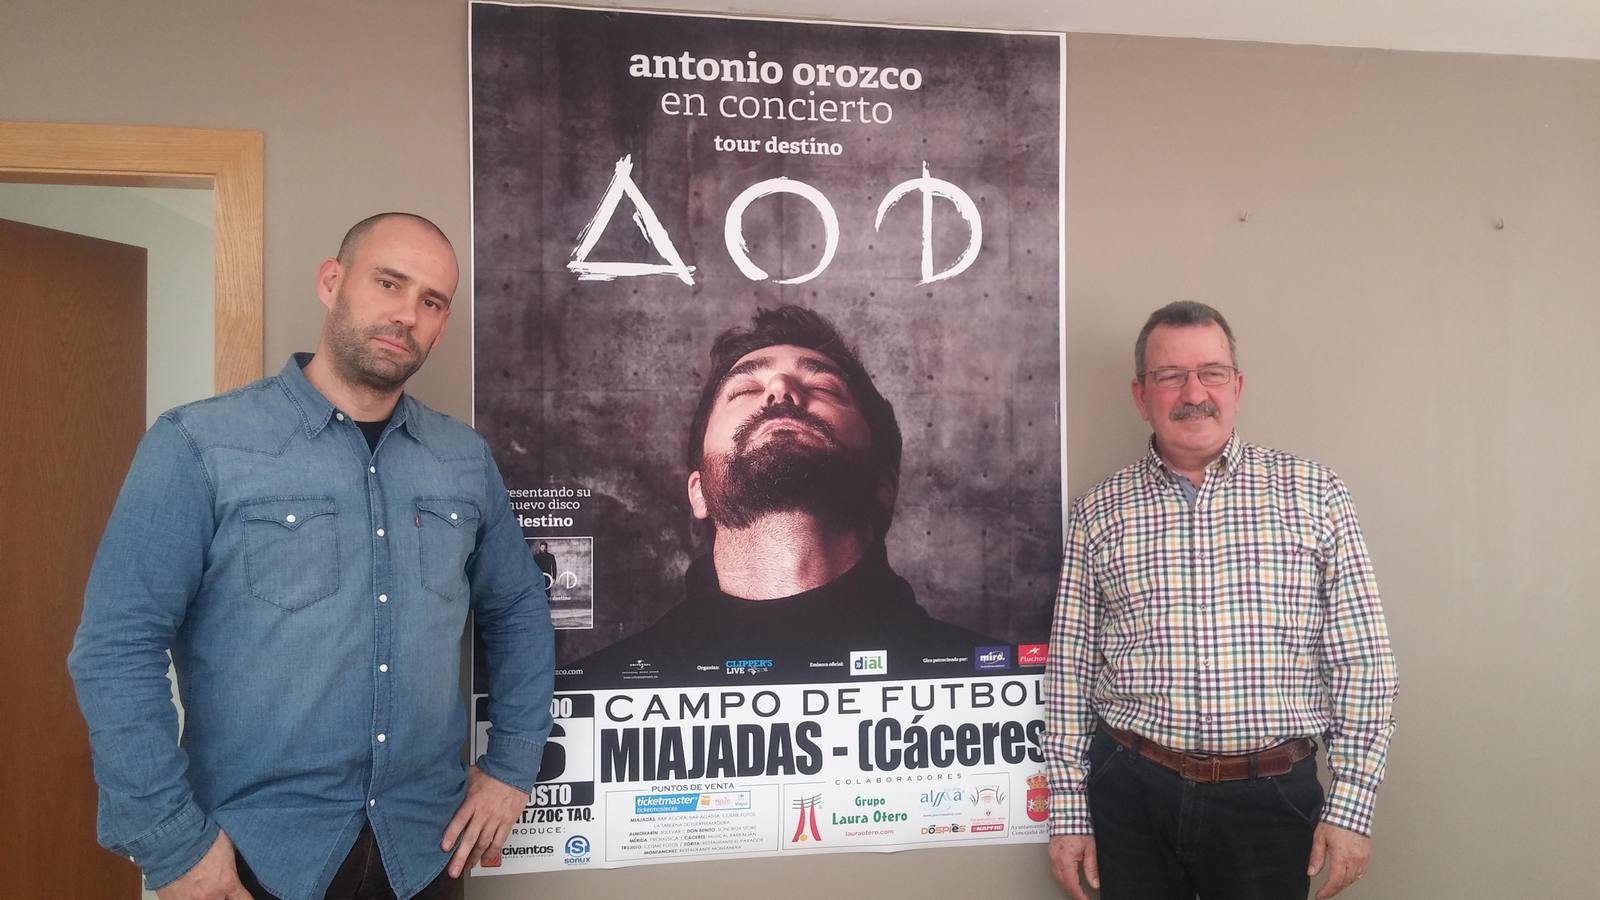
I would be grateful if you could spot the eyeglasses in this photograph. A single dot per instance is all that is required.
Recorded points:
(1172, 377)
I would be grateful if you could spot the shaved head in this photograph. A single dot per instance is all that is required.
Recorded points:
(358, 232)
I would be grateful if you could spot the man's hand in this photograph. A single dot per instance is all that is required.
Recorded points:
(1346, 854)
(1067, 851)
(214, 877)
(483, 822)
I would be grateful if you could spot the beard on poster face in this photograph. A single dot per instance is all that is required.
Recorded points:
(788, 472)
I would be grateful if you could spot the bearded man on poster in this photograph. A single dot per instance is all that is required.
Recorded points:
(794, 464)
(1217, 610)
(308, 548)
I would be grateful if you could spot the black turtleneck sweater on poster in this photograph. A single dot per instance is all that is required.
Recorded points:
(713, 638)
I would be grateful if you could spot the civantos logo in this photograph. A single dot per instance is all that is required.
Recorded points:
(869, 662)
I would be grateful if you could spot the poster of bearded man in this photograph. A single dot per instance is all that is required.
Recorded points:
(768, 323)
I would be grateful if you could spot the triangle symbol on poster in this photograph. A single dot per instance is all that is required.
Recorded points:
(655, 234)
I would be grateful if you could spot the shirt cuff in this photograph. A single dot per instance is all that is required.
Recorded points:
(1349, 806)
(171, 849)
(513, 761)
(1069, 813)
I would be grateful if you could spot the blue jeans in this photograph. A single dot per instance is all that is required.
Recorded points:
(1160, 837)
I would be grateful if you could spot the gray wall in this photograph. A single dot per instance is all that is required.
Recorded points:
(1344, 207)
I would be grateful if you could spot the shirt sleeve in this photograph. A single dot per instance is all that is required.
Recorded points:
(148, 567)
(1358, 668)
(1070, 673)
(513, 618)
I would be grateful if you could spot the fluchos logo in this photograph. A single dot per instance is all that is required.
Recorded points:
(869, 662)
(1033, 654)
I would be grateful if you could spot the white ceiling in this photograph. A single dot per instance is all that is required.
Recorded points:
(1569, 28)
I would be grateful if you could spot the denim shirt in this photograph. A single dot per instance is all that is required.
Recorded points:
(314, 596)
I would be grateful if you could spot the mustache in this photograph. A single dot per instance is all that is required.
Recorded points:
(782, 411)
(396, 333)
(1190, 410)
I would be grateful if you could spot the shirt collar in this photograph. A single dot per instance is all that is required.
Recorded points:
(315, 410)
(1227, 462)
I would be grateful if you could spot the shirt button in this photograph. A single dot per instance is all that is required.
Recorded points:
(380, 532)
(383, 598)
(372, 802)
(454, 517)
(339, 416)
(382, 738)
(383, 667)
(372, 470)
(289, 518)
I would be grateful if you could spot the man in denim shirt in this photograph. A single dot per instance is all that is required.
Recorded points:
(308, 548)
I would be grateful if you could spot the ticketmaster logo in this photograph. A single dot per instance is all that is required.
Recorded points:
(869, 662)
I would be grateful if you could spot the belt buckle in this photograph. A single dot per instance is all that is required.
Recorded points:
(1206, 769)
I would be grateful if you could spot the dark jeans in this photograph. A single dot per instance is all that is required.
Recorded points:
(361, 877)
(1159, 836)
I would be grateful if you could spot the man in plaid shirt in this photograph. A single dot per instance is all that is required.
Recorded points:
(1217, 610)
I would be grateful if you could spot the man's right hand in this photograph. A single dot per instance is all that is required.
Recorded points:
(214, 877)
(1067, 852)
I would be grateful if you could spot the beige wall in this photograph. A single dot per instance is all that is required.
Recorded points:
(1342, 206)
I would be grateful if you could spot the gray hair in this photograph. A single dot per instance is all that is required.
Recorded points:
(1181, 314)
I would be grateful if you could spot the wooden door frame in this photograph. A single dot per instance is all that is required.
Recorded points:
(227, 161)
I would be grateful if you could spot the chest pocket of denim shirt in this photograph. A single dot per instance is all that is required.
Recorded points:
(447, 531)
(291, 550)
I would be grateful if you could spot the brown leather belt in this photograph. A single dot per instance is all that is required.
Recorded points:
(1277, 760)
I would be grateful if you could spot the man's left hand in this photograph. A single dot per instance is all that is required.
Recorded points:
(482, 824)
(1345, 853)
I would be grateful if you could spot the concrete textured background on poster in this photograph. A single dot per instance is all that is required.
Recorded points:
(591, 384)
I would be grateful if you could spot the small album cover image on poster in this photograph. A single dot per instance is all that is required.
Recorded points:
(568, 567)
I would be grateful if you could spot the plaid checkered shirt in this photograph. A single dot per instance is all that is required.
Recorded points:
(1223, 626)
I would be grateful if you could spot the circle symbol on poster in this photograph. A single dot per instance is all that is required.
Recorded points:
(577, 845)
